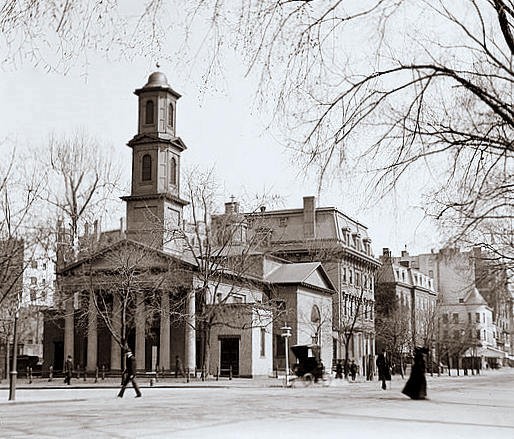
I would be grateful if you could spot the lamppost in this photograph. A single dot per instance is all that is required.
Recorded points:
(286, 333)
(14, 372)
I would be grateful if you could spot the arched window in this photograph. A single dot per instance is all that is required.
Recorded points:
(170, 115)
(146, 168)
(315, 314)
(173, 171)
(316, 322)
(149, 112)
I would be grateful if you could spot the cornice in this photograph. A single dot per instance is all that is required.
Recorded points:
(166, 196)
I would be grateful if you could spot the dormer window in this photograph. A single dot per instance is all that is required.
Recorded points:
(170, 115)
(149, 110)
(146, 168)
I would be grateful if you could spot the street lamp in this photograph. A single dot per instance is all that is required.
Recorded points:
(14, 372)
(286, 333)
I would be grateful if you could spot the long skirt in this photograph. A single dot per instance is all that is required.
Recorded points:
(416, 386)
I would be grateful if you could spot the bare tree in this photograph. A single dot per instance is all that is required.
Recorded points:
(19, 191)
(353, 320)
(81, 180)
(58, 35)
(224, 261)
(359, 83)
(393, 325)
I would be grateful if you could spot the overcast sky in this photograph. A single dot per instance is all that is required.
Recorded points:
(220, 124)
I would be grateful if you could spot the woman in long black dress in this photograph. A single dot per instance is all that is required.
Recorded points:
(416, 386)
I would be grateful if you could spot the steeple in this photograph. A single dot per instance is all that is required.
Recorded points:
(154, 207)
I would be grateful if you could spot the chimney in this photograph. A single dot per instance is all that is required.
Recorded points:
(386, 253)
(96, 229)
(122, 227)
(309, 217)
(263, 209)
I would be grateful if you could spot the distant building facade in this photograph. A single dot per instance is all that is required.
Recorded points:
(406, 304)
(467, 322)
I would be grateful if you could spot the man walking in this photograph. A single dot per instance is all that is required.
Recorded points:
(129, 375)
(68, 370)
(384, 370)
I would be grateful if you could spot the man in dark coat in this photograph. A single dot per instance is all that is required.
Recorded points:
(68, 370)
(384, 368)
(129, 375)
(353, 370)
(416, 386)
(339, 369)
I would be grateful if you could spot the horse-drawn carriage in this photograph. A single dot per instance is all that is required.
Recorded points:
(308, 367)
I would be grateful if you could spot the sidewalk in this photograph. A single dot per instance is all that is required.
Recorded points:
(223, 382)
(143, 381)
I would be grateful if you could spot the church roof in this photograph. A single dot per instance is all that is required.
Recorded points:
(157, 81)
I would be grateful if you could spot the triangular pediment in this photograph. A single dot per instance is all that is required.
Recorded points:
(122, 254)
(319, 279)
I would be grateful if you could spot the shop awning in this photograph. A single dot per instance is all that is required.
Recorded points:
(485, 351)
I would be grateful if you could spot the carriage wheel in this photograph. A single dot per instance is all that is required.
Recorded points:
(308, 379)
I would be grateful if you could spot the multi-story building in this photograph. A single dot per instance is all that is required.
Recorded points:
(343, 246)
(38, 295)
(467, 323)
(406, 301)
(491, 279)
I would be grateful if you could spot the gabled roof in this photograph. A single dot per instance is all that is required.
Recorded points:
(474, 298)
(300, 273)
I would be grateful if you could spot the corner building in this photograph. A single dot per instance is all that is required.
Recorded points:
(343, 246)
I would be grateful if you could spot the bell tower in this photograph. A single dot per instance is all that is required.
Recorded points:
(154, 207)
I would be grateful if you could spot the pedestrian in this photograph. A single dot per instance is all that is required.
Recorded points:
(68, 370)
(416, 386)
(129, 375)
(178, 367)
(353, 370)
(339, 369)
(384, 368)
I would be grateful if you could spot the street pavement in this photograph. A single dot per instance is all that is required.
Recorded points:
(459, 407)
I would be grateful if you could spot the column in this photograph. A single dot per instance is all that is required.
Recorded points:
(190, 334)
(140, 331)
(164, 345)
(69, 327)
(116, 328)
(92, 333)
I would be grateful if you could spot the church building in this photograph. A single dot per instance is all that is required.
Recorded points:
(151, 288)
